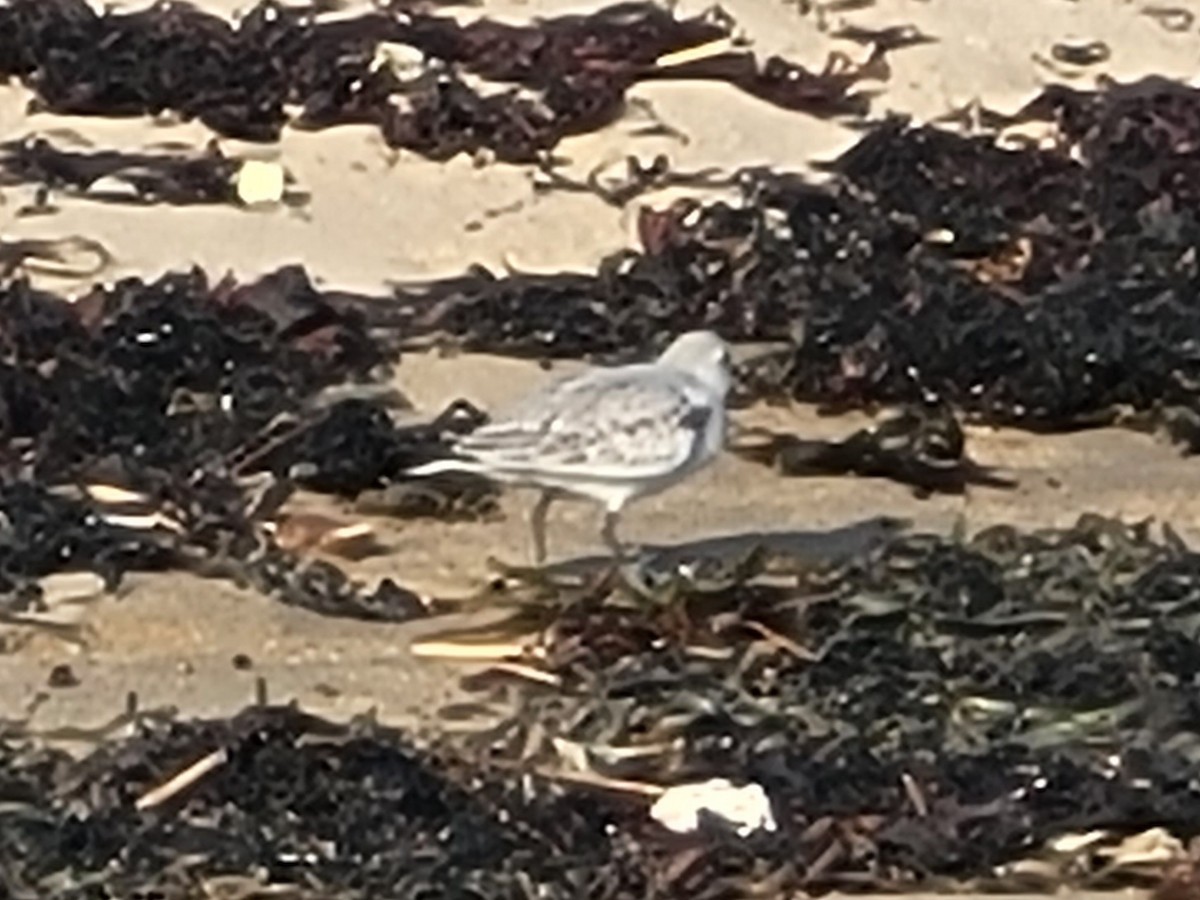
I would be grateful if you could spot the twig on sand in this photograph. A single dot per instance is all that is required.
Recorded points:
(591, 779)
(183, 780)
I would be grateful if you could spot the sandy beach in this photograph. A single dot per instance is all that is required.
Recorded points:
(376, 217)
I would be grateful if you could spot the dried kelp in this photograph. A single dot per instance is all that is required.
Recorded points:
(214, 526)
(931, 712)
(179, 177)
(1183, 879)
(1007, 710)
(42, 533)
(172, 373)
(1042, 286)
(894, 37)
(925, 448)
(179, 373)
(241, 79)
(148, 177)
(1080, 53)
(72, 257)
(155, 410)
(355, 446)
(1172, 18)
(276, 801)
(639, 178)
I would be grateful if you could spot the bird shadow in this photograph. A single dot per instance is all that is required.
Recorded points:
(523, 601)
(730, 549)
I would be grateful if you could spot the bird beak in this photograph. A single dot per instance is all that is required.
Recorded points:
(752, 352)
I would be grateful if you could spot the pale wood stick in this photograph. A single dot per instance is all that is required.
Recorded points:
(182, 781)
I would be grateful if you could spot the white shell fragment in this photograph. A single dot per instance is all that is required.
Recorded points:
(1074, 843)
(260, 182)
(113, 494)
(746, 808)
(405, 61)
(1154, 847)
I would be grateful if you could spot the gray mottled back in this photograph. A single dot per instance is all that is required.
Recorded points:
(639, 421)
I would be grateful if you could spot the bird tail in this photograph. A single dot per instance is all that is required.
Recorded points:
(438, 466)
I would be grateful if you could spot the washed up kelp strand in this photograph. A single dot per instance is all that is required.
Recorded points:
(274, 799)
(159, 424)
(924, 448)
(181, 177)
(1050, 287)
(931, 711)
(243, 79)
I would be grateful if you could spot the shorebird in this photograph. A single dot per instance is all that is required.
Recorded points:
(609, 435)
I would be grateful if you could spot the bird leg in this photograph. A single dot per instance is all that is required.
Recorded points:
(538, 522)
(609, 533)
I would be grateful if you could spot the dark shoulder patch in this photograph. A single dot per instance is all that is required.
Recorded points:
(695, 417)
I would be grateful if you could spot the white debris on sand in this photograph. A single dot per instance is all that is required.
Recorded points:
(746, 808)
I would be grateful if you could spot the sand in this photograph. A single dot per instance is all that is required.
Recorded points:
(376, 217)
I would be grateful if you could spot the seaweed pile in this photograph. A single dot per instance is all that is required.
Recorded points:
(1048, 287)
(300, 805)
(147, 424)
(935, 710)
(114, 176)
(1012, 711)
(919, 446)
(565, 75)
(166, 424)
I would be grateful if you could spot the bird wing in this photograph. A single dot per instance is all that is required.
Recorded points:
(637, 422)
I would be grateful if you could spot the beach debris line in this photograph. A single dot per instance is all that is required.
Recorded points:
(288, 800)
(1040, 284)
(399, 67)
(922, 447)
(164, 424)
(934, 711)
(1009, 711)
(174, 176)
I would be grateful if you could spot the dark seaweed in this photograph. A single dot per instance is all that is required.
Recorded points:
(176, 178)
(894, 37)
(239, 80)
(188, 394)
(330, 810)
(925, 448)
(42, 533)
(921, 714)
(1045, 287)
(927, 711)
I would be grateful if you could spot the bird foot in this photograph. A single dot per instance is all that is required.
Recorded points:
(514, 570)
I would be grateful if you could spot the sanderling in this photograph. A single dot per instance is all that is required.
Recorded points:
(610, 435)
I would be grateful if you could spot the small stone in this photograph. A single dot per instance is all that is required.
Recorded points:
(260, 183)
(62, 676)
